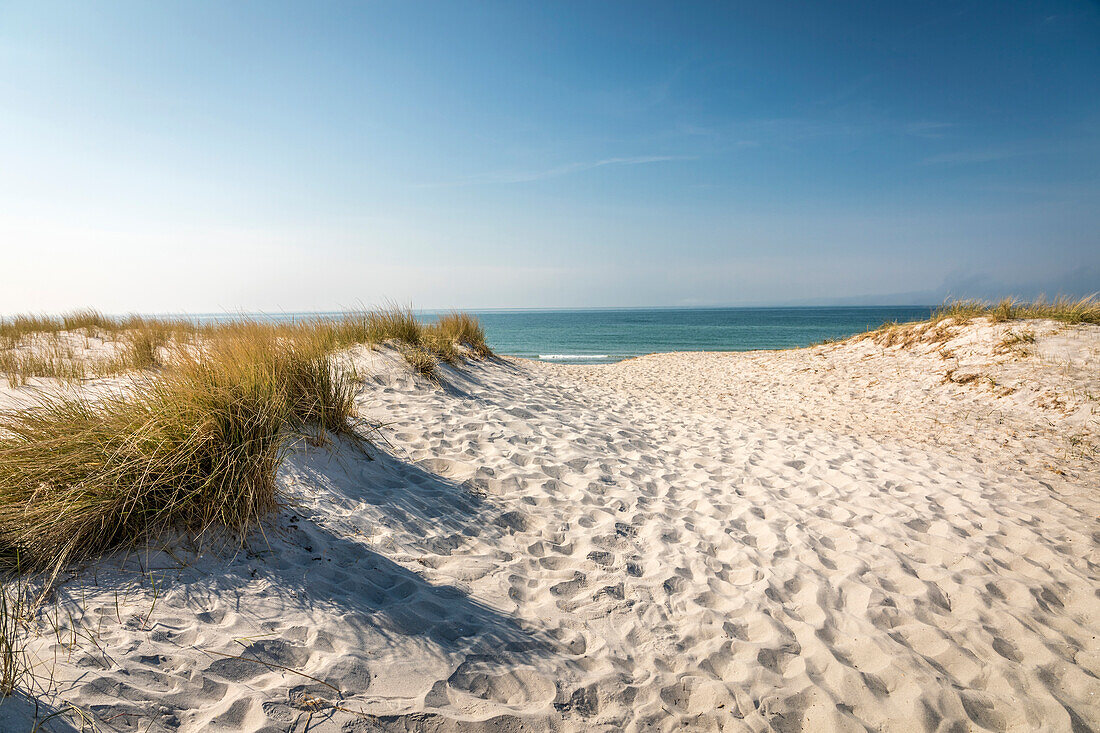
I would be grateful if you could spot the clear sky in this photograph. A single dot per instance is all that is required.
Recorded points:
(159, 156)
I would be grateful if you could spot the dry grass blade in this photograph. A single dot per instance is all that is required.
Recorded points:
(280, 667)
(14, 667)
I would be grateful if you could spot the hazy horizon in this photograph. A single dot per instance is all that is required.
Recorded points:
(201, 157)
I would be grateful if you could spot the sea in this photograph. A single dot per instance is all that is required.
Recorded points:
(594, 336)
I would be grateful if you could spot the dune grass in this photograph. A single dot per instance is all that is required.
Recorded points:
(19, 367)
(89, 322)
(420, 360)
(192, 445)
(392, 324)
(938, 328)
(462, 329)
(1015, 342)
(1065, 310)
(78, 477)
(61, 361)
(198, 445)
(47, 346)
(87, 318)
(423, 345)
(56, 347)
(18, 327)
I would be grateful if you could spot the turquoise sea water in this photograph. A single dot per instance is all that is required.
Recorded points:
(595, 336)
(606, 335)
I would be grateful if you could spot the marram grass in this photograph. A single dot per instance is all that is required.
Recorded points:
(196, 443)
(420, 360)
(43, 346)
(938, 328)
(198, 447)
(462, 329)
(1066, 310)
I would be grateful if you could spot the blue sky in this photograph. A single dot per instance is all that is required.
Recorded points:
(288, 156)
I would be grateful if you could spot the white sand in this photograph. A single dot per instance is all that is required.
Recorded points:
(820, 539)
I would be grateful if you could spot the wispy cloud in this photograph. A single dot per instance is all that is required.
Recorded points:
(965, 157)
(564, 170)
(790, 131)
(926, 128)
(561, 170)
(1075, 145)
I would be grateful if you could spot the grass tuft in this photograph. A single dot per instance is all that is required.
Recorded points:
(87, 318)
(938, 328)
(51, 361)
(78, 478)
(1065, 310)
(464, 330)
(393, 323)
(1016, 342)
(422, 361)
(16, 328)
(43, 346)
(197, 446)
(196, 443)
(143, 347)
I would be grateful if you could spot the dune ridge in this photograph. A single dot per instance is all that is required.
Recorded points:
(835, 538)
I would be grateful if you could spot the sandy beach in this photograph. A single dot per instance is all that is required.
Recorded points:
(550, 367)
(852, 536)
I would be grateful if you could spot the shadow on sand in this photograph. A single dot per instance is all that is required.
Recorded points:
(312, 561)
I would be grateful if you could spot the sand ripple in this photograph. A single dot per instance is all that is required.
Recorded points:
(535, 551)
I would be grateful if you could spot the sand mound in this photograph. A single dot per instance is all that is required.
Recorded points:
(618, 548)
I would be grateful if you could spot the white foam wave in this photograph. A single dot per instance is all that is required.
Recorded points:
(563, 357)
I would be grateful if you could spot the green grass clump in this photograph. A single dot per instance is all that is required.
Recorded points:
(462, 329)
(193, 445)
(393, 323)
(36, 346)
(197, 446)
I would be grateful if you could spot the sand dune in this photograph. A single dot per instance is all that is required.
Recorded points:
(823, 539)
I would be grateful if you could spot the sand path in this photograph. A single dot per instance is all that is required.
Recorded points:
(535, 550)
